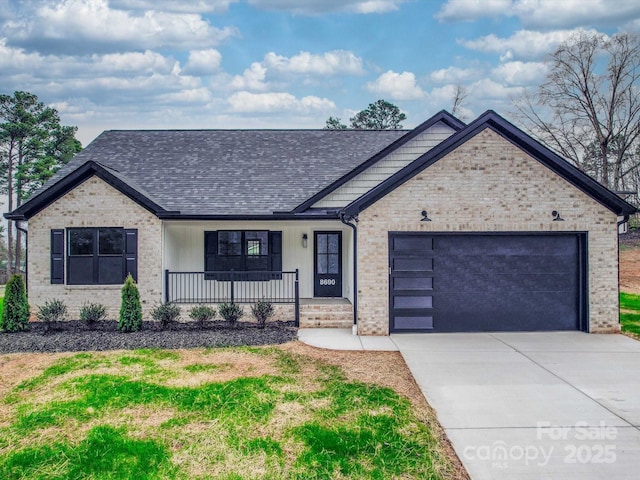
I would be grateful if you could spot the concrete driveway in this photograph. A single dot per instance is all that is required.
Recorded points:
(560, 405)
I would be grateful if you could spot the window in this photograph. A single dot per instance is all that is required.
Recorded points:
(95, 256)
(243, 251)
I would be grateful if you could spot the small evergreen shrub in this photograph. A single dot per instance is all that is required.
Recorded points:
(90, 313)
(202, 313)
(262, 311)
(165, 313)
(52, 312)
(130, 319)
(231, 312)
(15, 313)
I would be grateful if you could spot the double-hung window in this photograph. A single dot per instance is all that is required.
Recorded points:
(242, 251)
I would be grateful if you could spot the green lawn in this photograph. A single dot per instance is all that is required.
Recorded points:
(251, 413)
(630, 313)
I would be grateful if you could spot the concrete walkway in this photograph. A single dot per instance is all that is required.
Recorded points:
(558, 405)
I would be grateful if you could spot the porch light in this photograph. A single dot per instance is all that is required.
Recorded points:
(425, 217)
(556, 216)
(305, 240)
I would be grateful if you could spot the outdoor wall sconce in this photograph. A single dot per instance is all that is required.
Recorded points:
(305, 240)
(425, 217)
(556, 216)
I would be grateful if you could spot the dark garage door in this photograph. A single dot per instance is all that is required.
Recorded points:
(480, 282)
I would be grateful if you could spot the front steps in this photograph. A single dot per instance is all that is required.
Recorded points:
(326, 313)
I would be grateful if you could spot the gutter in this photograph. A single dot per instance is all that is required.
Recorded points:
(347, 219)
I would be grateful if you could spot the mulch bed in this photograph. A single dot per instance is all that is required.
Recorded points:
(75, 336)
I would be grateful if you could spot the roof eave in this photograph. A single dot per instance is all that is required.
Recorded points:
(73, 179)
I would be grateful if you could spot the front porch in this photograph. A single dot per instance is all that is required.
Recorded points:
(303, 268)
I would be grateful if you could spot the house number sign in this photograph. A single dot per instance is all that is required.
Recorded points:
(327, 281)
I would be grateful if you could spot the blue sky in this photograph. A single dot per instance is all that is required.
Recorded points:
(109, 64)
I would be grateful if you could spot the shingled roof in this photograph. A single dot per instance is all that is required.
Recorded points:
(211, 172)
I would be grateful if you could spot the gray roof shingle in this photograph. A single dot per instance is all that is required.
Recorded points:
(238, 172)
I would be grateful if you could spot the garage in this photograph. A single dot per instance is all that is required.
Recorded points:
(469, 282)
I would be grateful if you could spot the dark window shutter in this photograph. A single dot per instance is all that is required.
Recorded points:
(57, 256)
(275, 253)
(131, 252)
(210, 253)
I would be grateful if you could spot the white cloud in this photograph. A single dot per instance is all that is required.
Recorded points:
(91, 25)
(573, 13)
(467, 10)
(253, 78)
(247, 102)
(131, 62)
(525, 44)
(192, 95)
(544, 14)
(453, 75)
(315, 7)
(212, 6)
(397, 86)
(490, 89)
(336, 62)
(520, 73)
(203, 62)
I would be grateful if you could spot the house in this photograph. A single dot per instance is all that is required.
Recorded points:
(448, 227)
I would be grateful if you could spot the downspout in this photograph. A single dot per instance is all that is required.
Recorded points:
(26, 254)
(347, 219)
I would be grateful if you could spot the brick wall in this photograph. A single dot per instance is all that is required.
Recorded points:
(94, 204)
(487, 184)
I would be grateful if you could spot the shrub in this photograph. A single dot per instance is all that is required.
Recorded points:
(231, 312)
(165, 313)
(91, 313)
(15, 314)
(130, 319)
(51, 312)
(262, 311)
(202, 313)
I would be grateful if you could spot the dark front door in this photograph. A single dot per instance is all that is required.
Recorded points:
(328, 264)
(484, 282)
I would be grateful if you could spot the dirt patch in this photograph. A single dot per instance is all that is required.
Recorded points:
(630, 269)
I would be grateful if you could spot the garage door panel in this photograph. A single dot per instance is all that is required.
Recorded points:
(479, 282)
(471, 282)
(505, 263)
(504, 312)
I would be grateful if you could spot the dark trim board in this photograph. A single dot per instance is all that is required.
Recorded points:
(475, 281)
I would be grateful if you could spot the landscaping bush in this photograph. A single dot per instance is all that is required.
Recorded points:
(165, 313)
(231, 312)
(130, 319)
(15, 313)
(52, 312)
(202, 313)
(90, 313)
(262, 311)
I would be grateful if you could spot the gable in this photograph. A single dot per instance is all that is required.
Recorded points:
(489, 184)
(508, 133)
(386, 167)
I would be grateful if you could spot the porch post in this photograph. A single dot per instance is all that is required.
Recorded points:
(166, 286)
(297, 300)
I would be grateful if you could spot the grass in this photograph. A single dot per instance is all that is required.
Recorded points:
(630, 313)
(254, 413)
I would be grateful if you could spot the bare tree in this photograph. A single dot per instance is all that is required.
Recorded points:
(460, 94)
(588, 107)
